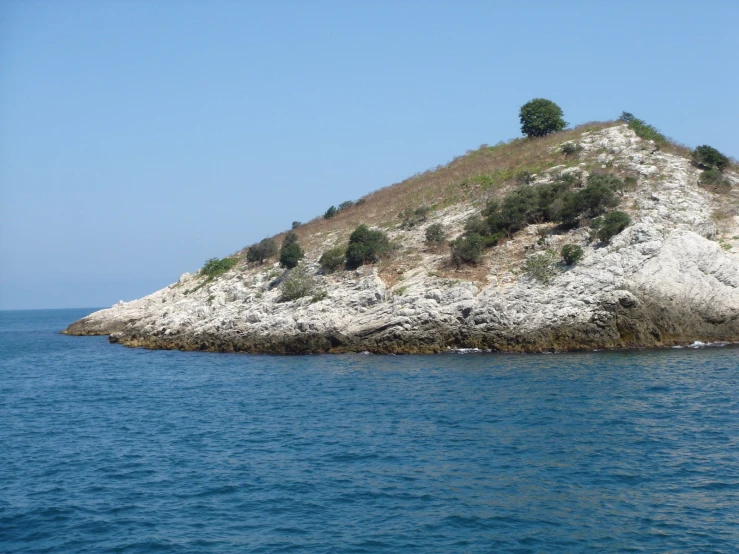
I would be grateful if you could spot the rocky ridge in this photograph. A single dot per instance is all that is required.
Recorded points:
(670, 278)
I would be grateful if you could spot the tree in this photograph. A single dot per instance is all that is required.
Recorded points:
(331, 212)
(708, 157)
(540, 117)
(290, 255)
(260, 252)
(366, 246)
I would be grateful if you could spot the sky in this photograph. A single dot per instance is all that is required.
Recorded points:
(140, 138)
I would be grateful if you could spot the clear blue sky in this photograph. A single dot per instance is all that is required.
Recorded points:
(138, 139)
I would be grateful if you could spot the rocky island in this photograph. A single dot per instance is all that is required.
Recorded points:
(463, 265)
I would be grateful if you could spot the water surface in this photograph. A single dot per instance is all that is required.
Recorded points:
(108, 449)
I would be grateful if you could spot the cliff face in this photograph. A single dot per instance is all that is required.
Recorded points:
(672, 277)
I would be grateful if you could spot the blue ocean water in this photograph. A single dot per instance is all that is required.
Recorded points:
(108, 449)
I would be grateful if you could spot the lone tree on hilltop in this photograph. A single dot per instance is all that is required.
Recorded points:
(540, 116)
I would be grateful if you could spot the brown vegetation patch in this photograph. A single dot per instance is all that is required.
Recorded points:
(473, 177)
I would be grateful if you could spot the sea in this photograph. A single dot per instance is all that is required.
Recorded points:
(110, 449)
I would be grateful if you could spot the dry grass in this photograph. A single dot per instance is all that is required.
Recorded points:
(471, 178)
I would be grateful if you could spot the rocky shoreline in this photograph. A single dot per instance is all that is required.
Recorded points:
(669, 279)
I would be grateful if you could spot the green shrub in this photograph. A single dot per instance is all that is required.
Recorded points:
(467, 249)
(540, 117)
(476, 225)
(296, 224)
(317, 297)
(642, 129)
(569, 148)
(708, 157)
(611, 225)
(715, 179)
(290, 238)
(366, 246)
(542, 266)
(571, 253)
(345, 205)
(331, 212)
(591, 201)
(598, 196)
(266, 248)
(296, 283)
(518, 208)
(435, 234)
(332, 259)
(290, 255)
(523, 177)
(214, 267)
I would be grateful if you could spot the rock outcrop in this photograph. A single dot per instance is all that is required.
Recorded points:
(670, 278)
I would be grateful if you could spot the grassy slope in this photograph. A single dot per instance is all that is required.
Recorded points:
(470, 180)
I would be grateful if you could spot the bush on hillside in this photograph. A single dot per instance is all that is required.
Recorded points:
(291, 255)
(540, 117)
(715, 179)
(542, 266)
(266, 248)
(543, 203)
(467, 249)
(296, 283)
(475, 225)
(214, 266)
(290, 238)
(708, 157)
(411, 217)
(435, 234)
(611, 225)
(345, 205)
(366, 246)
(571, 253)
(591, 201)
(523, 177)
(332, 259)
(570, 148)
(331, 212)
(296, 224)
(642, 129)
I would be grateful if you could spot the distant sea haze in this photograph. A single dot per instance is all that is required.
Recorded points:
(109, 449)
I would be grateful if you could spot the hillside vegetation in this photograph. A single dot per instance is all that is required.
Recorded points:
(482, 199)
